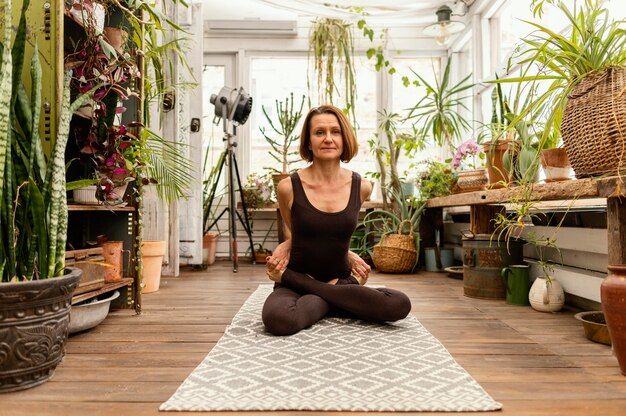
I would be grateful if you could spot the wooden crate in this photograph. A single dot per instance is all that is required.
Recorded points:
(91, 262)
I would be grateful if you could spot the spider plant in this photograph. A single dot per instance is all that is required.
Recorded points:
(437, 112)
(561, 61)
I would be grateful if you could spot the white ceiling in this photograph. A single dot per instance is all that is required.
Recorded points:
(380, 12)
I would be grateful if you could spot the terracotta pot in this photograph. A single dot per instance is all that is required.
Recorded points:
(556, 165)
(115, 37)
(497, 174)
(613, 296)
(276, 178)
(209, 247)
(472, 180)
(113, 256)
(34, 324)
(152, 253)
(261, 256)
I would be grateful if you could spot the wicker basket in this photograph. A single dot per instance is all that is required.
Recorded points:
(396, 253)
(594, 124)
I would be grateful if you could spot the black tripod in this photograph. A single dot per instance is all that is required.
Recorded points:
(228, 157)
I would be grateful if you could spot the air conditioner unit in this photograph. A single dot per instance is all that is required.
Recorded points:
(251, 27)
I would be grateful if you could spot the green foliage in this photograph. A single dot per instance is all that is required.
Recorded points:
(437, 112)
(594, 43)
(33, 205)
(331, 43)
(436, 180)
(387, 150)
(288, 118)
(380, 222)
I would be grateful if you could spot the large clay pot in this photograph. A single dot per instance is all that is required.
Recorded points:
(613, 296)
(556, 165)
(34, 324)
(152, 253)
(546, 296)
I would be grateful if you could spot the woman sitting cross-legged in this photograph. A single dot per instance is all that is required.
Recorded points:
(314, 270)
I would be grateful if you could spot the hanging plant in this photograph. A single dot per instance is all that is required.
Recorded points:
(332, 45)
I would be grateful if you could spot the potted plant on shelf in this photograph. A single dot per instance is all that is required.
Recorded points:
(470, 175)
(35, 286)
(286, 120)
(435, 179)
(586, 73)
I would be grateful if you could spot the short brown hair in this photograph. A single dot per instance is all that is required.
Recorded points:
(350, 144)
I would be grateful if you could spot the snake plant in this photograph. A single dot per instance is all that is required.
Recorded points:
(33, 207)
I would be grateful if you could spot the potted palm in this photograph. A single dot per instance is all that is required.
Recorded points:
(287, 119)
(35, 286)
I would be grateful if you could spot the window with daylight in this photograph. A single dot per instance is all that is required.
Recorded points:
(273, 77)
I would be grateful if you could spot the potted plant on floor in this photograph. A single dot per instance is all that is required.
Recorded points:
(35, 286)
(392, 236)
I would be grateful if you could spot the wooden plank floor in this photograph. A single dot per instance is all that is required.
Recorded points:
(532, 362)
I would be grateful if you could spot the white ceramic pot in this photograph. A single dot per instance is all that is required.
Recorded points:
(546, 296)
(85, 195)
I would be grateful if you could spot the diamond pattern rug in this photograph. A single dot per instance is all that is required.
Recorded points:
(338, 364)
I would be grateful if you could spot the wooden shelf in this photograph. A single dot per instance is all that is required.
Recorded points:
(126, 281)
(80, 207)
(574, 190)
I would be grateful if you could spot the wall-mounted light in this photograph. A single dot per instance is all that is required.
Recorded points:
(444, 26)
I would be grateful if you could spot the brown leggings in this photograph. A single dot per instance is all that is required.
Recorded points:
(300, 301)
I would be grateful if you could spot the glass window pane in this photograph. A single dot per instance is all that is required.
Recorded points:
(274, 78)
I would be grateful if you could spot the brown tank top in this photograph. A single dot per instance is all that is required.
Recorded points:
(321, 240)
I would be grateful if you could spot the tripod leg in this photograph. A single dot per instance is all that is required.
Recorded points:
(232, 207)
(245, 222)
(220, 166)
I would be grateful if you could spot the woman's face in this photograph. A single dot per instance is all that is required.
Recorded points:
(326, 137)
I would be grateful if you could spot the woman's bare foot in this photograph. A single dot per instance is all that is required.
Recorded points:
(274, 273)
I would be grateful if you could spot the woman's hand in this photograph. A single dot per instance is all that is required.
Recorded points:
(277, 262)
(360, 269)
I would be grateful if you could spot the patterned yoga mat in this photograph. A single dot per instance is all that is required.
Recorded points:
(338, 364)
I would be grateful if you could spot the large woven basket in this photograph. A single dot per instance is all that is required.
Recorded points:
(594, 124)
(396, 253)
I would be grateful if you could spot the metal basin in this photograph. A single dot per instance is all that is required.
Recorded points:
(595, 326)
(87, 315)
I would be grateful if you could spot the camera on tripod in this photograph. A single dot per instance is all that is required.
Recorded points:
(234, 105)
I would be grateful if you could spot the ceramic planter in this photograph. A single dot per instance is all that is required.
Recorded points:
(555, 164)
(34, 324)
(494, 152)
(472, 180)
(546, 296)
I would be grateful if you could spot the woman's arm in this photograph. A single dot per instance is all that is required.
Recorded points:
(280, 257)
